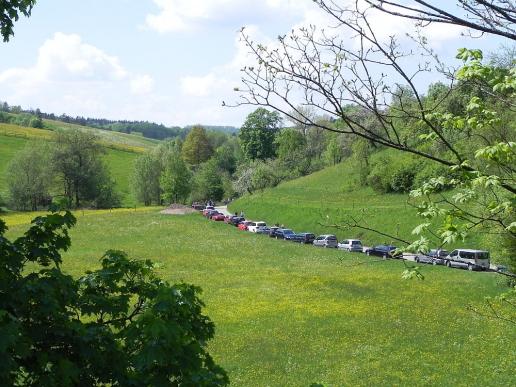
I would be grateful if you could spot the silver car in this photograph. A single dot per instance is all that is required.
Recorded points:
(327, 240)
(434, 256)
(351, 245)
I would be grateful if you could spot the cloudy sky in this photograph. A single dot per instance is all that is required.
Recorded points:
(168, 61)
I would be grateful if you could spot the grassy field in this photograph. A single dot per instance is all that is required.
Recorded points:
(331, 197)
(290, 315)
(120, 164)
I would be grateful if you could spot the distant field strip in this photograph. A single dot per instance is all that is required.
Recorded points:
(25, 132)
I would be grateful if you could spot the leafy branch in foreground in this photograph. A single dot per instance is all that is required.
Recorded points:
(10, 11)
(118, 325)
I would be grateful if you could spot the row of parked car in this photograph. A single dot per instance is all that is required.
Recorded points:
(464, 258)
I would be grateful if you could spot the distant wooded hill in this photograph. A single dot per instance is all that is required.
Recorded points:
(144, 128)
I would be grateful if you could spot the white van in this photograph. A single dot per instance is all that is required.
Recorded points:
(470, 259)
(256, 226)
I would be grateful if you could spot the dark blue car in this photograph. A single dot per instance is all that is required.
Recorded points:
(284, 233)
(304, 237)
(384, 251)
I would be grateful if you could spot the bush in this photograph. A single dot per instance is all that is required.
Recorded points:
(402, 179)
(119, 325)
(379, 177)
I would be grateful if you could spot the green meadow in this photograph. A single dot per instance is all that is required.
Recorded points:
(290, 315)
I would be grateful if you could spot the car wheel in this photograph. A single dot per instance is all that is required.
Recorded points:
(448, 264)
(470, 267)
(368, 253)
(434, 262)
(416, 259)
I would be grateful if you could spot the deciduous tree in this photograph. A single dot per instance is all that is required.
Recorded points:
(258, 133)
(29, 178)
(146, 179)
(196, 148)
(176, 180)
(77, 162)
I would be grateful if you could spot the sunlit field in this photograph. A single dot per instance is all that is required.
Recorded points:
(290, 315)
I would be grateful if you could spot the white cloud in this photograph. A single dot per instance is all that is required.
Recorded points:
(198, 86)
(74, 77)
(142, 84)
(180, 15)
(184, 15)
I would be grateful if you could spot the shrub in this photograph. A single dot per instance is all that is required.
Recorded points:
(379, 177)
(402, 179)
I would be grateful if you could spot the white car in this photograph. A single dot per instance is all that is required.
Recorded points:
(256, 226)
(351, 245)
(468, 259)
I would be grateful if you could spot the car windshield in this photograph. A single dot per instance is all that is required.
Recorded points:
(287, 231)
(356, 243)
(483, 255)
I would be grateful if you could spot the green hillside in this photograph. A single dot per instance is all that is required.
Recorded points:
(332, 196)
(121, 151)
(290, 315)
(108, 136)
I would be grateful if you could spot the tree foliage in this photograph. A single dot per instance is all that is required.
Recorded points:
(118, 325)
(10, 11)
(208, 184)
(29, 178)
(196, 148)
(176, 179)
(77, 162)
(146, 179)
(258, 133)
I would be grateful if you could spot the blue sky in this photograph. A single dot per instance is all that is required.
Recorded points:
(169, 61)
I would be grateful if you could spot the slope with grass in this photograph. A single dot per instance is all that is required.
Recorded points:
(290, 315)
(332, 196)
(121, 152)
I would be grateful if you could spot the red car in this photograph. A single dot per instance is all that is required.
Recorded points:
(218, 217)
(243, 226)
(206, 210)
